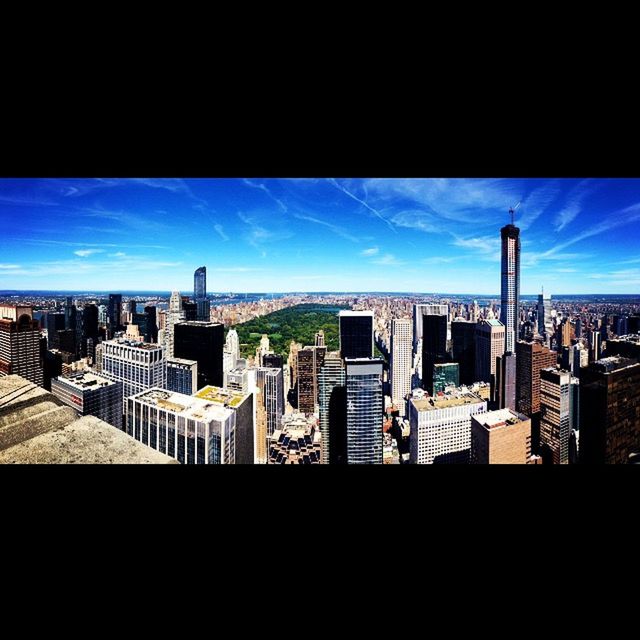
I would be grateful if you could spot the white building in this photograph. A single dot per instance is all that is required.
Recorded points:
(174, 315)
(187, 428)
(233, 345)
(138, 365)
(441, 427)
(400, 362)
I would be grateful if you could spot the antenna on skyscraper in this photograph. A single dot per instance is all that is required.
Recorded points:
(512, 211)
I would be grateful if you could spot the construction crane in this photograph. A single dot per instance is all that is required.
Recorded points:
(512, 211)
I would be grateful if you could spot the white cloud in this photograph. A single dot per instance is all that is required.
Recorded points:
(388, 259)
(85, 253)
(9, 266)
(370, 252)
(220, 231)
(335, 228)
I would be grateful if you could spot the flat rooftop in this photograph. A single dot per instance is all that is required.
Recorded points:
(37, 428)
(346, 312)
(182, 361)
(199, 323)
(187, 406)
(446, 401)
(85, 380)
(220, 395)
(133, 343)
(499, 418)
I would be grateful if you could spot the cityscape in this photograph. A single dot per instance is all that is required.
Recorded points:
(320, 321)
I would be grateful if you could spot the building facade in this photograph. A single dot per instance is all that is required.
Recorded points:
(297, 441)
(182, 376)
(20, 344)
(356, 334)
(510, 284)
(401, 346)
(332, 376)
(555, 415)
(204, 343)
(500, 437)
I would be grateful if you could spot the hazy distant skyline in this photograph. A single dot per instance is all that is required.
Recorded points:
(296, 235)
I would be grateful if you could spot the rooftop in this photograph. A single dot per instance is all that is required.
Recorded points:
(36, 427)
(347, 312)
(452, 399)
(188, 406)
(133, 343)
(199, 323)
(499, 418)
(221, 396)
(85, 380)
(613, 363)
(182, 361)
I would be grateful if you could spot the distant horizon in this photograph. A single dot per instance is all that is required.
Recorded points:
(167, 292)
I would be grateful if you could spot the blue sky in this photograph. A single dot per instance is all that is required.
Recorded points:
(422, 235)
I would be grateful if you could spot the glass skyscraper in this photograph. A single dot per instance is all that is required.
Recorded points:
(364, 410)
(510, 284)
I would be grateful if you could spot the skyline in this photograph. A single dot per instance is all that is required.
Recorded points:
(325, 234)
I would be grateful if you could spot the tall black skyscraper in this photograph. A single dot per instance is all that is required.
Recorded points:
(200, 294)
(273, 360)
(91, 321)
(151, 334)
(356, 334)
(55, 322)
(190, 311)
(200, 283)
(434, 347)
(69, 314)
(510, 284)
(113, 312)
(132, 306)
(203, 342)
(463, 338)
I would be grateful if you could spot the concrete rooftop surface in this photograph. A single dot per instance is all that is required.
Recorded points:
(37, 428)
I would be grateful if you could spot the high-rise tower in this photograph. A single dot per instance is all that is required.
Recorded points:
(200, 293)
(400, 362)
(510, 284)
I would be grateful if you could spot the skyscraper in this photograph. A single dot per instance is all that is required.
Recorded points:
(506, 381)
(271, 386)
(400, 362)
(545, 323)
(20, 343)
(441, 427)
(420, 310)
(233, 345)
(490, 341)
(356, 334)
(463, 339)
(203, 342)
(200, 283)
(510, 284)
(151, 334)
(332, 376)
(55, 323)
(137, 365)
(187, 428)
(609, 410)
(434, 346)
(500, 437)
(182, 376)
(364, 410)
(307, 391)
(445, 374)
(555, 416)
(174, 315)
(113, 312)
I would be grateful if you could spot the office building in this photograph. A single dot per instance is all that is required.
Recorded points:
(113, 313)
(490, 341)
(609, 411)
(151, 325)
(187, 428)
(531, 358)
(506, 381)
(90, 322)
(91, 395)
(20, 343)
(273, 361)
(441, 427)
(307, 393)
(237, 379)
(139, 366)
(297, 441)
(356, 334)
(182, 376)
(190, 310)
(434, 346)
(401, 346)
(200, 294)
(545, 323)
(242, 404)
(500, 437)
(510, 284)
(445, 375)
(633, 324)
(595, 345)
(173, 316)
(331, 382)
(203, 342)
(463, 343)
(233, 344)
(55, 322)
(555, 415)
(271, 385)
(261, 436)
(420, 310)
(364, 410)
